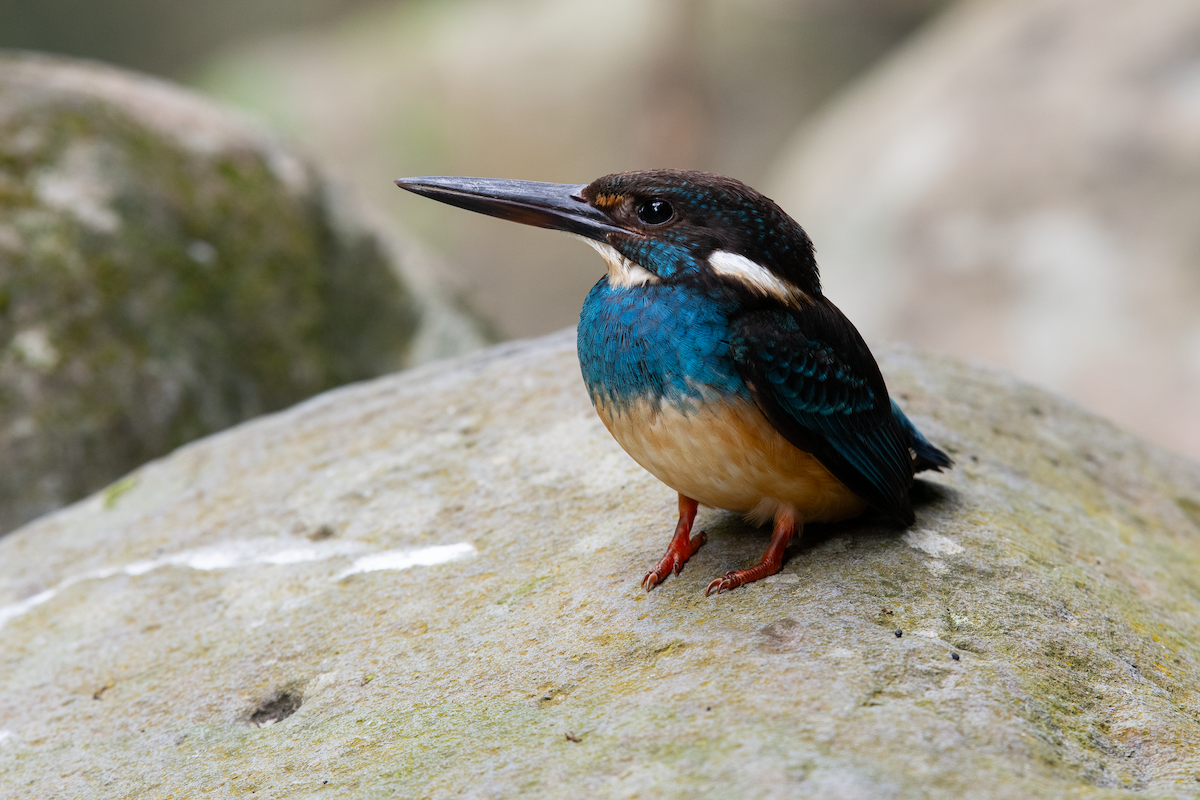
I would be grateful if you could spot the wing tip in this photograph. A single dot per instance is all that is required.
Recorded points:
(930, 458)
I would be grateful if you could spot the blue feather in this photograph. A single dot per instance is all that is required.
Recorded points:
(661, 343)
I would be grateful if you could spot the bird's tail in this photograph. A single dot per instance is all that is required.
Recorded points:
(926, 456)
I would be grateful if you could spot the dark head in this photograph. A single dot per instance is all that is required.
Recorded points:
(657, 226)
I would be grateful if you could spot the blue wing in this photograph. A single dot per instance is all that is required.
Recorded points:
(816, 381)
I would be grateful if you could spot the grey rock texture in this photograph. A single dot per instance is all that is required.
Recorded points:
(167, 270)
(1019, 184)
(427, 585)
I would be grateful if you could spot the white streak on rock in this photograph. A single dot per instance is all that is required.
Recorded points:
(226, 555)
(404, 559)
(17, 609)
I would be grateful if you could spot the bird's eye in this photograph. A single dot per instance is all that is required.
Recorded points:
(655, 212)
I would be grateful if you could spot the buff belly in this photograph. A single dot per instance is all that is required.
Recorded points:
(726, 455)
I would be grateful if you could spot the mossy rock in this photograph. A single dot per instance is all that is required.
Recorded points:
(166, 270)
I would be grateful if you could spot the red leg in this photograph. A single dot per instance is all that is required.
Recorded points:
(681, 548)
(772, 560)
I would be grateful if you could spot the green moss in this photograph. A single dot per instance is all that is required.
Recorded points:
(525, 588)
(114, 491)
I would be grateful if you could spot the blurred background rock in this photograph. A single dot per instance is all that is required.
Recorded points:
(1014, 181)
(168, 270)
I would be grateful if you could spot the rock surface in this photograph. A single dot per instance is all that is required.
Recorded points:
(1020, 185)
(427, 585)
(167, 270)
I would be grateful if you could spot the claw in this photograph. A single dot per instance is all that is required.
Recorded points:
(733, 579)
(682, 547)
(772, 560)
(672, 562)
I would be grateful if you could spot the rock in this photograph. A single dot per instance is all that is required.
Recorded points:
(475, 87)
(168, 270)
(1020, 185)
(428, 585)
(159, 36)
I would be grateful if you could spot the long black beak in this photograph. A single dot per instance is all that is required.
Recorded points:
(559, 206)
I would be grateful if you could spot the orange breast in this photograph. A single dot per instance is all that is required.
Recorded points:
(726, 455)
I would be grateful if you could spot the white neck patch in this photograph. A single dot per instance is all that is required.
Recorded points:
(755, 276)
(621, 271)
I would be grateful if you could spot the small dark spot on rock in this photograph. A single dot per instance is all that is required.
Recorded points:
(573, 738)
(323, 532)
(99, 693)
(954, 656)
(899, 633)
(887, 611)
(554, 696)
(1037, 412)
(276, 708)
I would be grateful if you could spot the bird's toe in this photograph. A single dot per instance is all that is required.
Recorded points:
(678, 552)
(727, 582)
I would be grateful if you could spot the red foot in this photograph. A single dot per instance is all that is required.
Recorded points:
(772, 560)
(681, 548)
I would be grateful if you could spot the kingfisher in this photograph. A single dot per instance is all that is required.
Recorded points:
(715, 360)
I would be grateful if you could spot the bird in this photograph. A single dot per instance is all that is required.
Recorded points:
(714, 359)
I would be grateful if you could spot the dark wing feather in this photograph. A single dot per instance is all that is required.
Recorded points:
(818, 384)
(926, 456)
